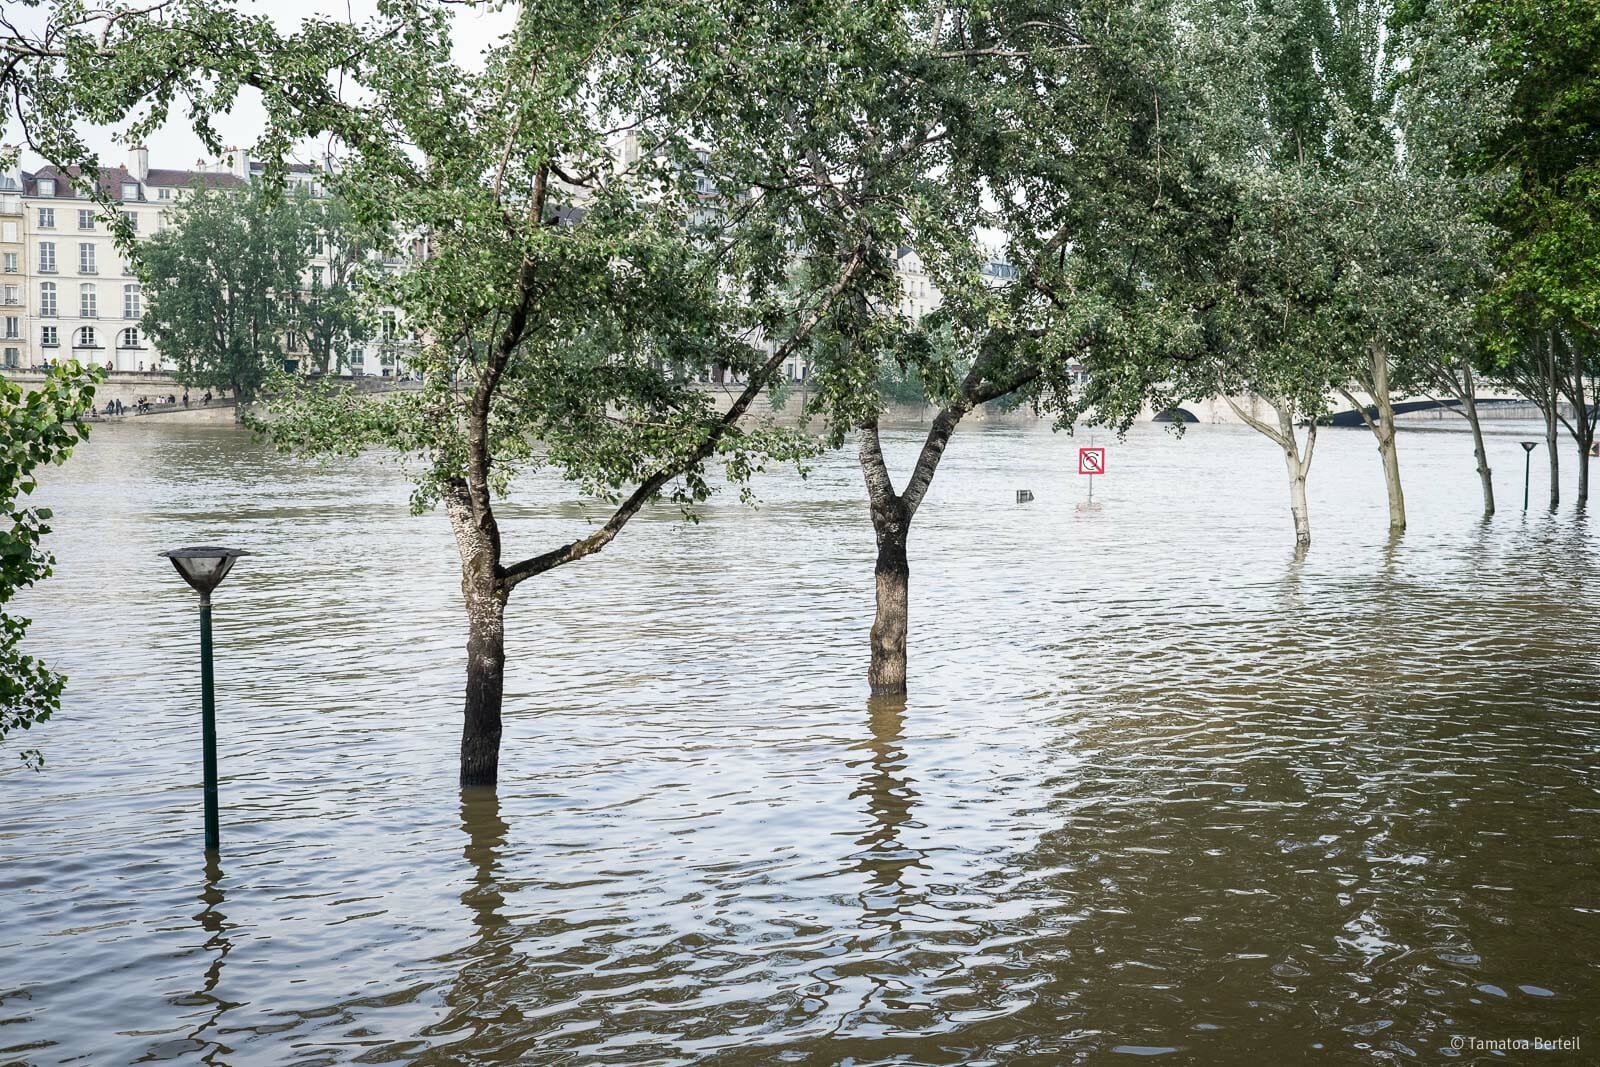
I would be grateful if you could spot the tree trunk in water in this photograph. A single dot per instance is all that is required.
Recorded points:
(1583, 470)
(1299, 467)
(1469, 406)
(887, 672)
(1297, 502)
(484, 592)
(486, 671)
(1385, 434)
(1550, 443)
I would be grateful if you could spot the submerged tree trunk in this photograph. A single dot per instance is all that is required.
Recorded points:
(891, 525)
(1381, 423)
(1469, 408)
(1551, 416)
(1297, 463)
(1385, 432)
(891, 521)
(1299, 468)
(886, 674)
(484, 593)
(486, 670)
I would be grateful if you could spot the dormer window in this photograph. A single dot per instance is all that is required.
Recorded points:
(130, 190)
(47, 187)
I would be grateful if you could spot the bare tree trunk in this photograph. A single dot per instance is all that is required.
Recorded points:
(1298, 463)
(1583, 471)
(891, 525)
(486, 670)
(1550, 422)
(1384, 430)
(485, 596)
(1298, 470)
(1469, 407)
(1552, 416)
(1582, 425)
(886, 674)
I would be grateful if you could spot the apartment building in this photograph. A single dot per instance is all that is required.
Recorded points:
(80, 297)
(13, 282)
(68, 292)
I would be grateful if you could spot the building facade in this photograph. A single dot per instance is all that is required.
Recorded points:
(68, 292)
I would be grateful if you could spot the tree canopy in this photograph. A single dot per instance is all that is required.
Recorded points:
(37, 428)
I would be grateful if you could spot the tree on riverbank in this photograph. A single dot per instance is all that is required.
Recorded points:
(225, 285)
(36, 429)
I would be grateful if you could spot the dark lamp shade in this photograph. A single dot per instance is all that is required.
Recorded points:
(204, 566)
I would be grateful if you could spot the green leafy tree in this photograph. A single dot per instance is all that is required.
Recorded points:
(584, 258)
(1039, 151)
(38, 428)
(1542, 316)
(328, 310)
(220, 286)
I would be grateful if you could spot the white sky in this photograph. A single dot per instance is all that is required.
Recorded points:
(175, 145)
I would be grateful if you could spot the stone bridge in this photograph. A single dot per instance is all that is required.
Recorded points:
(1492, 404)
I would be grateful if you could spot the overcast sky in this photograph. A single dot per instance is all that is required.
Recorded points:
(176, 145)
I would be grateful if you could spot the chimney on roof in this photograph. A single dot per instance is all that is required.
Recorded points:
(139, 162)
(13, 167)
(239, 163)
(327, 162)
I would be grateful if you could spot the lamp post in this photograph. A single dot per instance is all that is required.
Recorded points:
(203, 568)
(1527, 462)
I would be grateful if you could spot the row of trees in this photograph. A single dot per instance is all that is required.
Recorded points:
(1289, 200)
(236, 276)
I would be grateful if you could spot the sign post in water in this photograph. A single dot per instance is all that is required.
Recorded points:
(1092, 461)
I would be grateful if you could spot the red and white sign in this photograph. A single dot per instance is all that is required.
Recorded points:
(1091, 461)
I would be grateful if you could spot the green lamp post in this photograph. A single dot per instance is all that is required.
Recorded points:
(204, 567)
(1527, 465)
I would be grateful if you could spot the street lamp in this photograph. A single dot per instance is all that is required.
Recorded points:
(1527, 462)
(203, 568)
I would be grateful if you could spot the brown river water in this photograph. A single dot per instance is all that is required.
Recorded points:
(1159, 790)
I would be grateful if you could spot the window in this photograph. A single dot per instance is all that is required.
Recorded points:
(132, 219)
(13, 327)
(47, 300)
(47, 187)
(8, 232)
(47, 257)
(85, 220)
(164, 194)
(130, 190)
(13, 357)
(316, 277)
(357, 357)
(388, 325)
(86, 259)
(130, 302)
(13, 295)
(11, 263)
(47, 218)
(86, 338)
(293, 341)
(130, 338)
(48, 337)
(87, 298)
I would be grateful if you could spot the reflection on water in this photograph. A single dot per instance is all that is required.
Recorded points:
(1162, 787)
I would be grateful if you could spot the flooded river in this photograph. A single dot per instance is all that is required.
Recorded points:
(1159, 789)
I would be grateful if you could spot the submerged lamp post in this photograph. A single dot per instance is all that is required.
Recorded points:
(1527, 462)
(204, 568)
